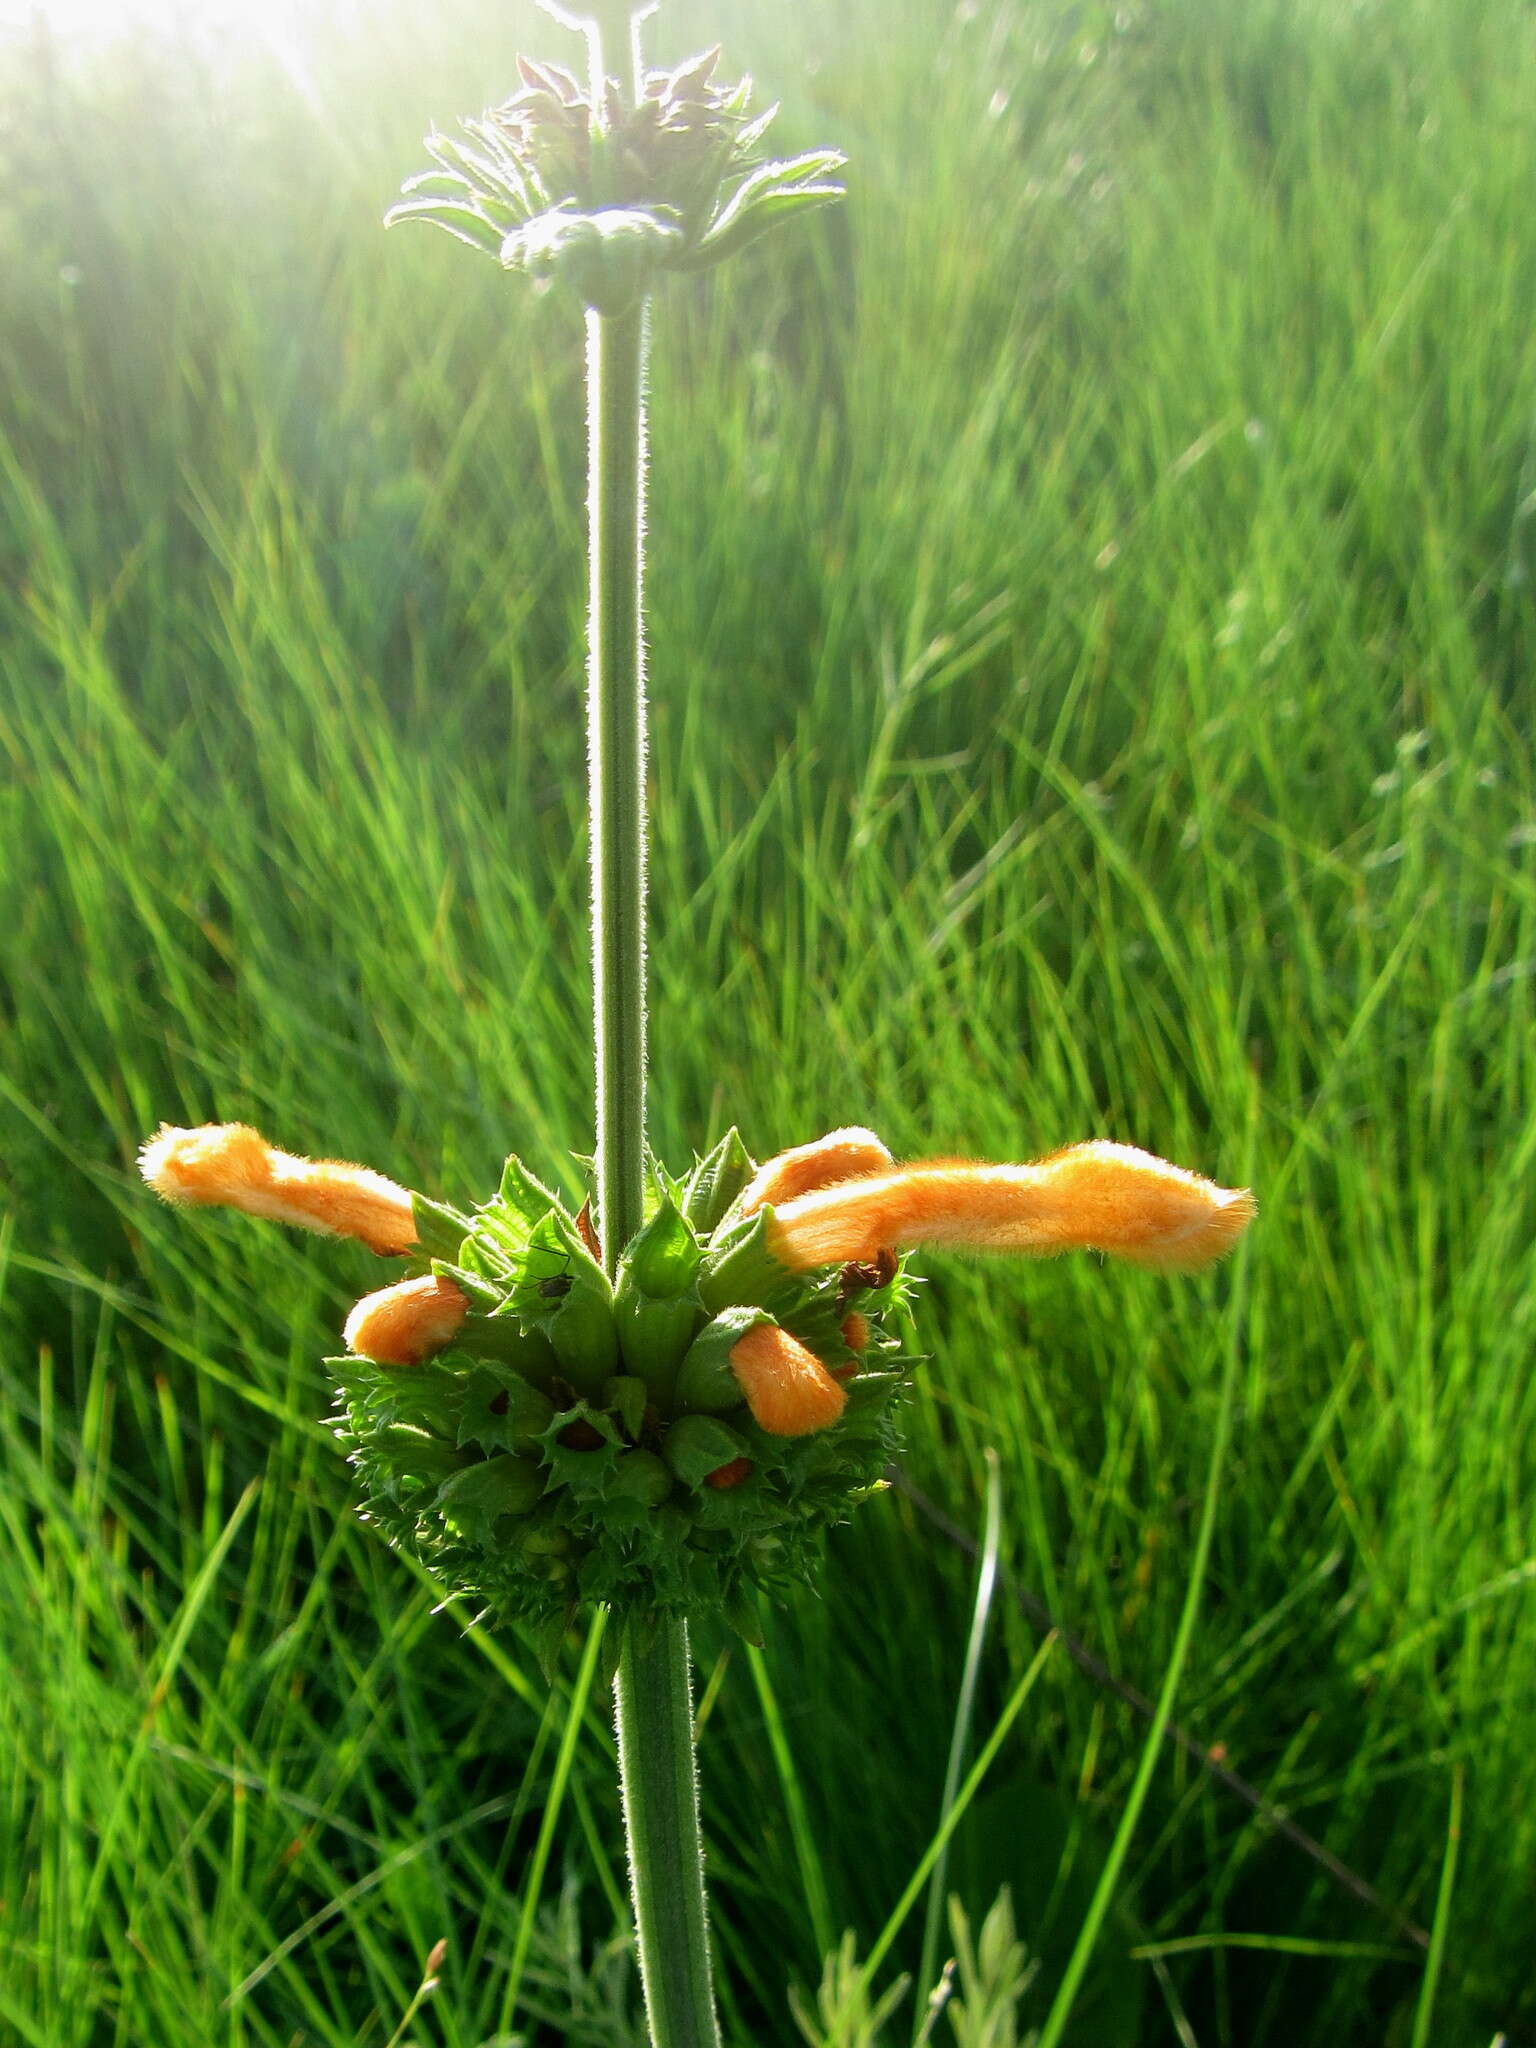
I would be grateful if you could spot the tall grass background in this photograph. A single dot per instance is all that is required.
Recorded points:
(1092, 633)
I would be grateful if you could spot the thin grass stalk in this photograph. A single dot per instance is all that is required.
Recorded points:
(1070, 1984)
(965, 1707)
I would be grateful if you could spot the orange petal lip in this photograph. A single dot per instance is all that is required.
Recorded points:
(407, 1323)
(233, 1166)
(839, 1156)
(1098, 1196)
(788, 1389)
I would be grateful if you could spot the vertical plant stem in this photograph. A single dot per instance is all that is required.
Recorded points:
(616, 762)
(661, 1819)
(657, 1777)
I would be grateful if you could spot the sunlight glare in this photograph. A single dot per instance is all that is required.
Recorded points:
(104, 21)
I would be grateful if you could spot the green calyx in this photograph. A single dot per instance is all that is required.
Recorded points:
(581, 1440)
(602, 193)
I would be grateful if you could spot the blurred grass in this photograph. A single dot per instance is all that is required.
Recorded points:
(1093, 637)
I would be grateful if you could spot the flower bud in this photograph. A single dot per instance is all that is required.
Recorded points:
(641, 1476)
(563, 1292)
(787, 1388)
(407, 1323)
(609, 257)
(654, 1304)
(706, 1382)
(841, 1155)
(232, 1166)
(1099, 1196)
(716, 1181)
(603, 190)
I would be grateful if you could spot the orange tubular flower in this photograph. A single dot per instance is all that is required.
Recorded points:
(839, 1156)
(407, 1323)
(788, 1389)
(233, 1166)
(1099, 1196)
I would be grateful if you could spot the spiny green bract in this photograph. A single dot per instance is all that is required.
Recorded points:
(582, 1441)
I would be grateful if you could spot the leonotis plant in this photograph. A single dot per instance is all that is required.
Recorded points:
(655, 1403)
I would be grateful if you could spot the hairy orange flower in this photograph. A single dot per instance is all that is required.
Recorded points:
(788, 1389)
(839, 1156)
(231, 1165)
(407, 1323)
(1099, 1196)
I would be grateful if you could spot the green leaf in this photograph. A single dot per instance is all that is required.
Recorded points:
(582, 1448)
(663, 1257)
(748, 138)
(542, 1538)
(732, 1510)
(562, 1291)
(741, 1615)
(465, 223)
(549, 1641)
(503, 1339)
(477, 1274)
(705, 1381)
(869, 1399)
(654, 1335)
(523, 1198)
(642, 1477)
(697, 1445)
(627, 1398)
(716, 1181)
(438, 185)
(407, 1450)
(654, 1307)
(746, 228)
(440, 1229)
(474, 1501)
(816, 1319)
(427, 1396)
(777, 187)
(739, 1267)
(502, 1412)
(487, 166)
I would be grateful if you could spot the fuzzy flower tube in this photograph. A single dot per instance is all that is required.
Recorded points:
(662, 1410)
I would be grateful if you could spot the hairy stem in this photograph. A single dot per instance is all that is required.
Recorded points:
(661, 1820)
(616, 750)
(654, 1705)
